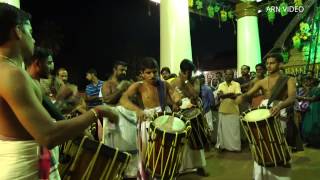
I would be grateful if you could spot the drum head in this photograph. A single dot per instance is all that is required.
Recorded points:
(169, 124)
(257, 115)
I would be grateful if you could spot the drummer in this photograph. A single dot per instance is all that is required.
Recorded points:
(280, 92)
(190, 89)
(155, 96)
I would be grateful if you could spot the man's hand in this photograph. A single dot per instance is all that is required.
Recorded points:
(108, 112)
(123, 85)
(239, 99)
(141, 116)
(275, 110)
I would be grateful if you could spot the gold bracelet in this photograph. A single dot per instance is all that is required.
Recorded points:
(95, 113)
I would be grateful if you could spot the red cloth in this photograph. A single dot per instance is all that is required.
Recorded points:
(44, 163)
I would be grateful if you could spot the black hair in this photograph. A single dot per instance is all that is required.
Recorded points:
(187, 65)
(248, 67)
(92, 71)
(165, 69)
(10, 17)
(40, 54)
(148, 63)
(261, 65)
(117, 63)
(276, 55)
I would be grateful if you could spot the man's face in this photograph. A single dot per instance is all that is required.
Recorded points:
(89, 77)
(245, 71)
(46, 67)
(63, 75)
(229, 76)
(272, 65)
(165, 75)
(121, 72)
(186, 75)
(260, 71)
(150, 75)
(27, 41)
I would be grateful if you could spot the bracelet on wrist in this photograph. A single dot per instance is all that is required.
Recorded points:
(95, 113)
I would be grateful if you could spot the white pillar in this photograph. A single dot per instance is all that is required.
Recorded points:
(175, 42)
(248, 43)
(15, 3)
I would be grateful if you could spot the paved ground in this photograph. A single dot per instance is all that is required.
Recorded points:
(239, 166)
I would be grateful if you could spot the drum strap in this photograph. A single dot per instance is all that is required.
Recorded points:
(278, 88)
(162, 94)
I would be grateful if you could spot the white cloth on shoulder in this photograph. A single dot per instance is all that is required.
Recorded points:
(19, 160)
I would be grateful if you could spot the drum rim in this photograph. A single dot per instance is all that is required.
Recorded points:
(191, 109)
(243, 114)
(105, 150)
(176, 115)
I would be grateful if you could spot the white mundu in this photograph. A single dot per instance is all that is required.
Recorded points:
(19, 160)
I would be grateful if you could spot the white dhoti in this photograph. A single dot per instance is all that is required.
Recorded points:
(228, 136)
(272, 173)
(19, 160)
(123, 136)
(209, 119)
(192, 159)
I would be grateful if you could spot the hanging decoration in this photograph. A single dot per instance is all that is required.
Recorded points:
(271, 16)
(298, 3)
(224, 10)
(223, 15)
(210, 10)
(190, 3)
(283, 9)
(199, 4)
(296, 41)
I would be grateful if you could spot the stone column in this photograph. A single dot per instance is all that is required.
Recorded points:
(248, 43)
(175, 42)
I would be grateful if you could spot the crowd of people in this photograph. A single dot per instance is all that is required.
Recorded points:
(40, 111)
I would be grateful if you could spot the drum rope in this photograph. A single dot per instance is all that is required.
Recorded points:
(124, 167)
(72, 167)
(89, 169)
(255, 144)
(108, 169)
(171, 154)
(273, 142)
(261, 143)
(282, 142)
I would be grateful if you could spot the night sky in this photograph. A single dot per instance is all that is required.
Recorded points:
(95, 33)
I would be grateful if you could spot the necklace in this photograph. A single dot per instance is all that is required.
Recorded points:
(9, 60)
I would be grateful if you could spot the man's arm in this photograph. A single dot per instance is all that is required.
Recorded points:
(17, 91)
(110, 94)
(173, 94)
(249, 93)
(125, 98)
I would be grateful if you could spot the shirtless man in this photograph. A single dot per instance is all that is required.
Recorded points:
(287, 96)
(260, 74)
(285, 99)
(149, 90)
(113, 88)
(190, 88)
(24, 123)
